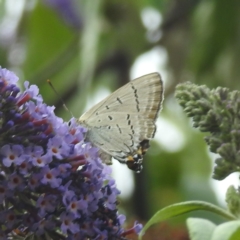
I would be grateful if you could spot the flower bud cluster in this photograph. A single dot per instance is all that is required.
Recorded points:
(215, 111)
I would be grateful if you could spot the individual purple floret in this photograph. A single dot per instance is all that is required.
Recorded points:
(53, 185)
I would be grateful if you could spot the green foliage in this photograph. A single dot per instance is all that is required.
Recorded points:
(233, 201)
(203, 229)
(47, 37)
(229, 231)
(217, 112)
(200, 228)
(184, 207)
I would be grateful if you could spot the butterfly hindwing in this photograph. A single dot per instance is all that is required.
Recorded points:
(122, 124)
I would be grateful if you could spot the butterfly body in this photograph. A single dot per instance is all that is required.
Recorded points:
(122, 124)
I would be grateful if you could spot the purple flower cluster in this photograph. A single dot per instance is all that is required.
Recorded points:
(52, 183)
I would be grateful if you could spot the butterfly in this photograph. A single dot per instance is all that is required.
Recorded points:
(122, 124)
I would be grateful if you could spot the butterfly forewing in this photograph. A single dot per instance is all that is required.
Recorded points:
(122, 124)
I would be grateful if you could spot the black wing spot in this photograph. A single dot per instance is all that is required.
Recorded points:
(128, 116)
(132, 128)
(127, 147)
(131, 136)
(107, 107)
(119, 100)
(119, 129)
(110, 117)
(136, 98)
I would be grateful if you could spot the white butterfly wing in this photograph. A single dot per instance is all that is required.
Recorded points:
(122, 124)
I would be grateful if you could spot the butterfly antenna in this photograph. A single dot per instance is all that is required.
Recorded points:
(60, 98)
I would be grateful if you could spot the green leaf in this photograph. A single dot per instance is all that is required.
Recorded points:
(185, 207)
(200, 228)
(227, 231)
(46, 37)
